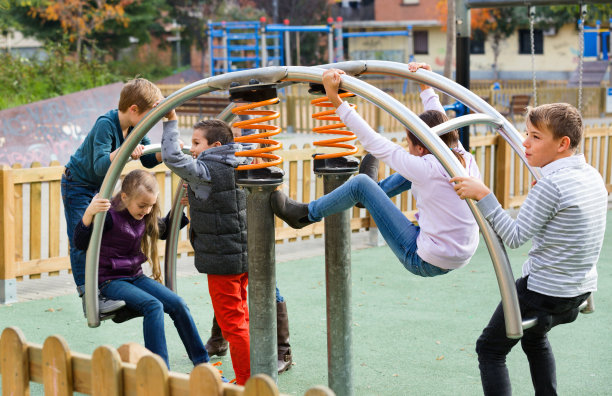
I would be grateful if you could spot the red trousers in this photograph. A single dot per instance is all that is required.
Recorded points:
(229, 299)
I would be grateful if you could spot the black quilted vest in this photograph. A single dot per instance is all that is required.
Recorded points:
(218, 231)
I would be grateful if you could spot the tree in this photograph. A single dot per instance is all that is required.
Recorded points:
(80, 18)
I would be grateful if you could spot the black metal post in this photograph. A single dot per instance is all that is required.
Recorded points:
(462, 19)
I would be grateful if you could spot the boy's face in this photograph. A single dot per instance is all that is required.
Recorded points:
(199, 143)
(136, 115)
(541, 146)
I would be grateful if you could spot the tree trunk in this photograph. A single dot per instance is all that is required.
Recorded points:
(450, 41)
(495, 46)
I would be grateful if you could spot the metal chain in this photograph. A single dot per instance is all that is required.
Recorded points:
(532, 38)
(581, 53)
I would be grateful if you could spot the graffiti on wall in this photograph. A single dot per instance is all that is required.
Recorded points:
(52, 129)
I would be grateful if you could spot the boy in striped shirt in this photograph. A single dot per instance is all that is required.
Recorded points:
(564, 215)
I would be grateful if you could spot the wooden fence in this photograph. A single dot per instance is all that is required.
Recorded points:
(63, 372)
(32, 223)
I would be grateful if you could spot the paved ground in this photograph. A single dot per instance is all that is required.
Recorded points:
(410, 335)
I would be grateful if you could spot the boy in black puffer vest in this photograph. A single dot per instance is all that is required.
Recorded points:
(218, 225)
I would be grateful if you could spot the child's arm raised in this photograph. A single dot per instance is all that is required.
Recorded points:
(96, 205)
(429, 98)
(409, 166)
(188, 168)
(83, 230)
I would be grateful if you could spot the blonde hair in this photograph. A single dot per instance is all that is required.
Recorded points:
(140, 92)
(134, 183)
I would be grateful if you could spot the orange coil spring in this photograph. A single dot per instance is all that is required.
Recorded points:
(330, 115)
(261, 137)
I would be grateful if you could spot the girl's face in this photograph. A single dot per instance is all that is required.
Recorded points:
(415, 149)
(140, 205)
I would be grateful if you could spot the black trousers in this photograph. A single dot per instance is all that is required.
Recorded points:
(493, 345)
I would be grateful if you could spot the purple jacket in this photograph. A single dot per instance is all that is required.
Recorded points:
(120, 252)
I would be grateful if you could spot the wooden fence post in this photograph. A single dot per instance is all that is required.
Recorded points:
(503, 156)
(8, 283)
(205, 380)
(319, 390)
(260, 385)
(152, 376)
(57, 367)
(106, 375)
(15, 364)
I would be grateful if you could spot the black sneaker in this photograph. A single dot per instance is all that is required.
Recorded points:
(295, 214)
(368, 166)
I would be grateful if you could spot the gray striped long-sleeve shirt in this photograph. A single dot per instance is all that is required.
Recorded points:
(565, 216)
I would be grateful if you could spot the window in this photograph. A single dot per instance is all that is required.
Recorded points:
(525, 41)
(477, 42)
(421, 44)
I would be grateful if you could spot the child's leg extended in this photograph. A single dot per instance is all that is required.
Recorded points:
(141, 301)
(395, 184)
(176, 307)
(399, 232)
(228, 293)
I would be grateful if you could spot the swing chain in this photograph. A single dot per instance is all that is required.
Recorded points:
(583, 12)
(531, 11)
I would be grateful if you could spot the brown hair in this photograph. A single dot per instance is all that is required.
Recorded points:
(215, 131)
(140, 92)
(134, 183)
(561, 119)
(433, 118)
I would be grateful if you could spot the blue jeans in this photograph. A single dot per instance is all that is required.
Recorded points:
(152, 299)
(493, 346)
(76, 197)
(279, 298)
(395, 185)
(399, 232)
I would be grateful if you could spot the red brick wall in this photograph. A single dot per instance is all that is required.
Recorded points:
(394, 10)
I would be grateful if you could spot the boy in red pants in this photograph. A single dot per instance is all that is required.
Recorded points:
(218, 225)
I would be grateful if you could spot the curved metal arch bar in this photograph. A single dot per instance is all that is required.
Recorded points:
(296, 73)
(443, 84)
(468, 119)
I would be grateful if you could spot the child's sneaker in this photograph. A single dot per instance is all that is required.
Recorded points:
(105, 305)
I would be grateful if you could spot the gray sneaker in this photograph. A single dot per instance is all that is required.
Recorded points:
(105, 306)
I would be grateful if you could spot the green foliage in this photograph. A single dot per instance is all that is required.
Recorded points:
(24, 81)
(149, 67)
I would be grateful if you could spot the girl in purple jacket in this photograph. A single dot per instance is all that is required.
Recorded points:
(131, 230)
